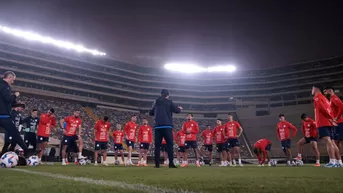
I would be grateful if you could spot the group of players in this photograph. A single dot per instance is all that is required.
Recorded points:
(327, 126)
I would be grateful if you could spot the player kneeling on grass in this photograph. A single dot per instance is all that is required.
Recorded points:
(310, 136)
(118, 136)
(262, 146)
(145, 139)
(101, 133)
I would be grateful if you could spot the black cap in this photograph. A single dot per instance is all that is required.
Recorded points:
(303, 116)
(164, 92)
(18, 105)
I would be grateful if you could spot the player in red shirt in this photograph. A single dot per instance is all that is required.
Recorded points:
(164, 149)
(191, 129)
(207, 137)
(324, 122)
(145, 139)
(101, 133)
(46, 122)
(118, 136)
(219, 135)
(310, 136)
(130, 130)
(72, 134)
(180, 140)
(262, 146)
(283, 132)
(232, 135)
(337, 112)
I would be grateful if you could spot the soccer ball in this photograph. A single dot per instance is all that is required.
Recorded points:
(9, 160)
(299, 163)
(273, 163)
(33, 161)
(82, 162)
(202, 163)
(116, 162)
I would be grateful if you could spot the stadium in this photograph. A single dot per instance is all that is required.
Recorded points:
(55, 76)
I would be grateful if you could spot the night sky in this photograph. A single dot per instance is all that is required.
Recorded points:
(249, 34)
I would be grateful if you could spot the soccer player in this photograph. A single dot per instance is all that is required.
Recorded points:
(262, 146)
(191, 128)
(218, 134)
(71, 135)
(118, 136)
(232, 136)
(180, 140)
(31, 123)
(337, 112)
(145, 139)
(310, 136)
(46, 122)
(324, 122)
(283, 132)
(130, 130)
(101, 133)
(207, 137)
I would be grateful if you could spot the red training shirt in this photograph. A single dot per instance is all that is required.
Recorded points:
(337, 108)
(283, 129)
(193, 127)
(130, 131)
(181, 138)
(208, 136)
(102, 129)
(73, 123)
(118, 136)
(322, 111)
(218, 133)
(262, 144)
(44, 126)
(231, 129)
(309, 128)
(145, 134)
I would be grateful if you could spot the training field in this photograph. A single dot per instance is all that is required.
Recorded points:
(93, 179)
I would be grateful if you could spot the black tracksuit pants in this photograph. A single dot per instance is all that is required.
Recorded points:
(167, 134)
(12, 131)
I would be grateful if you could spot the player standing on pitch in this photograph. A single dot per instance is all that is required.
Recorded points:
(310, 136)
(232, 137)
(130, 131)
(207, 137)
(118, 136)
(191, 128)
(218, 133)
(46, 122)
(31, 125)
(145, 139)
(101, 133)
(180, 140)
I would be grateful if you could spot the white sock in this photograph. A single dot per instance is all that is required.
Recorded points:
(39, 159)
(222, 162)
(197, 161)
(165, 162)
(339, 162)
(333, 161)
(317, 162)
(63, 160)
(75, 159)
(239, 161)
(299, 154)
(80, 154)
(289, 162)
(234, 162)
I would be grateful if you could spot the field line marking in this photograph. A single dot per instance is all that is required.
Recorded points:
(115, 184)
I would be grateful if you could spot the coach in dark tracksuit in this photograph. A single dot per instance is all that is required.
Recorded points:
(6, 102)
(163, 110)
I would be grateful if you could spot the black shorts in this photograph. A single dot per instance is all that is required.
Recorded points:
(338, 132)
(144, 146)
(325, 131)
(286, 144)
(232, 142)
(191, 144)
(181, 149)
(164, 147)
(30, 138)
(118, 147)
(71, 143)
(208, 148)
(130, 143)
(221, 147)
(310, 139)
(100, 145)
(41, 139)
(268, 147)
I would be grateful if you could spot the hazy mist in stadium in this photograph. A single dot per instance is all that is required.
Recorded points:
(249, 34)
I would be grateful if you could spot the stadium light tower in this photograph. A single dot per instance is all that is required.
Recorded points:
(48, 40)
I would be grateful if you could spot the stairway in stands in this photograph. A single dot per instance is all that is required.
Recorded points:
(245, 138)
(91, 113)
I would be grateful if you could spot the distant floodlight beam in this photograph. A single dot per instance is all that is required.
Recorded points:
(193, 68)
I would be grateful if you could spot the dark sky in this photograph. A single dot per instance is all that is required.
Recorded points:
(250, 34)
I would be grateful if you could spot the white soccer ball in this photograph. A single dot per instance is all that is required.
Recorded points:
(116, 162)
(202, 163)
(299, 163)
(9, 160)
(33, 161)
(273, 163)
(83, 162)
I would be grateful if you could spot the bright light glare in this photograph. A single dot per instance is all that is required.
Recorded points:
(48, 40)
(192, 68)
